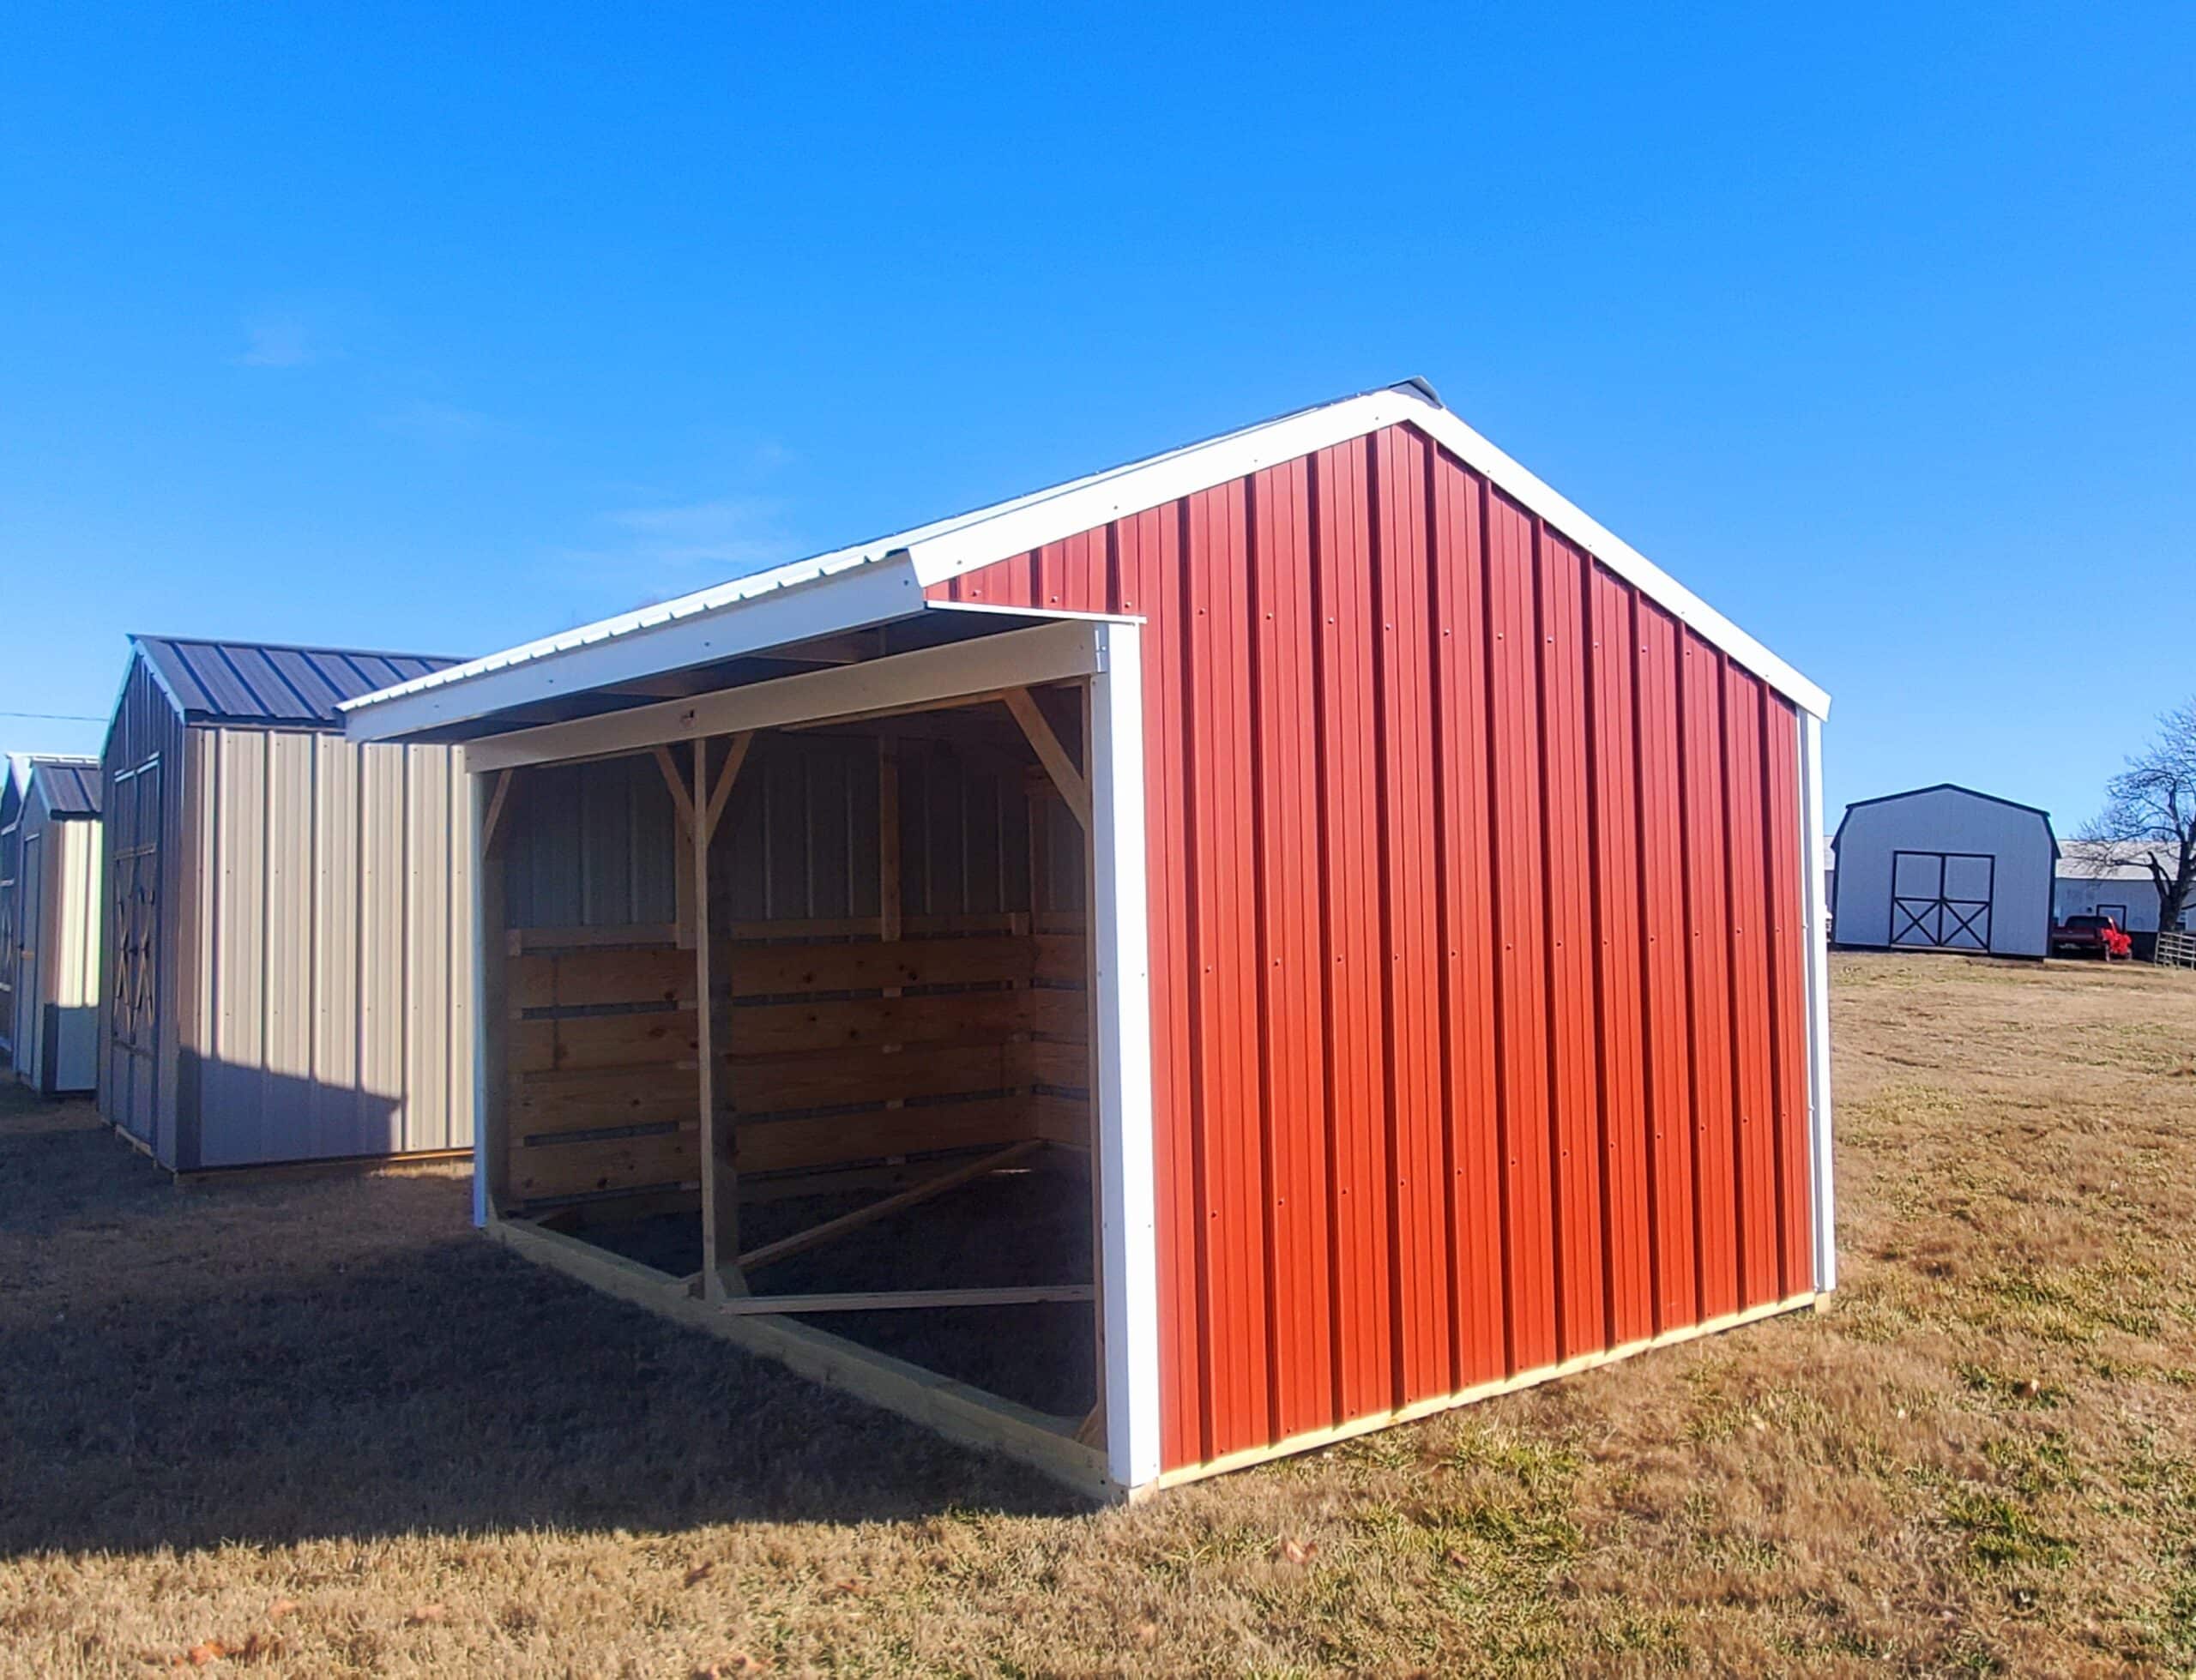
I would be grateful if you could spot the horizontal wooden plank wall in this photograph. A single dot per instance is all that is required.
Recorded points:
(837, 1051)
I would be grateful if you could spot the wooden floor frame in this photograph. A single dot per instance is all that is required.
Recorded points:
(958, 1411)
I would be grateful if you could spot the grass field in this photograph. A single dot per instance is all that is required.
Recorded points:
(318, 1428)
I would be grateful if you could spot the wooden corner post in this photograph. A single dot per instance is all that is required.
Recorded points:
(721, 1277)
(491, 1154)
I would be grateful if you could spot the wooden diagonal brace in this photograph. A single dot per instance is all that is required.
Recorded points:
(735, 754)
(493, 822)
(682, 802)
(801, 1240)
(1050, 753)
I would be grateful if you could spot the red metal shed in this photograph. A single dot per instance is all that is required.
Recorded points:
(1458, 1015)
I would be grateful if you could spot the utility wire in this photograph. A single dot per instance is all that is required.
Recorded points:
(55, 717)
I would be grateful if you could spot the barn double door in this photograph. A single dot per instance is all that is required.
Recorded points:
(1941, 900)
(132, 1050)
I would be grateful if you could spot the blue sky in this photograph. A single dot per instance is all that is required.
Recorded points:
(439, 328)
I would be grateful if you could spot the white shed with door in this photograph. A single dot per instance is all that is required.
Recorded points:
(2096, 879)
(1944, 868)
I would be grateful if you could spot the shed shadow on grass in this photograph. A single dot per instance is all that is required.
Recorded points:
(342, 1357)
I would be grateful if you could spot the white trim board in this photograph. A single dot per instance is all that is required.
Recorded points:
(1128, 1197)
(874, 582)
(1818, 997)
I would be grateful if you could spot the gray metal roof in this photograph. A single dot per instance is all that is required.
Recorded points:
(265, 683)
(71, 785)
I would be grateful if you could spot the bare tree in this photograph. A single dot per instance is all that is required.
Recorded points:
(2150, 813)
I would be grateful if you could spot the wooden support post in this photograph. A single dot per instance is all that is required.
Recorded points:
(1073, 787)
(491, 1075)
(720, 1179)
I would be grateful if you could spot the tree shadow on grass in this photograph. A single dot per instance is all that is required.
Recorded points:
(340, 1357)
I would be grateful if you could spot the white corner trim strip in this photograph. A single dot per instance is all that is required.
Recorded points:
(1820, 1149)
(1128, 1206)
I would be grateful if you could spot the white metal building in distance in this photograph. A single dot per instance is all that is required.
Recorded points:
(1944, 868)
(2099, 880)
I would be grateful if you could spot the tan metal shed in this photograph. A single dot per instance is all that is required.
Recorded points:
(49, 921)
(286, 965)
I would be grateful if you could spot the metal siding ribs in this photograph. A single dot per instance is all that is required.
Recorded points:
(1624, 1139)
(1574, 1101)
(1291, 1041)
(1477, 938)
(1417, 1203)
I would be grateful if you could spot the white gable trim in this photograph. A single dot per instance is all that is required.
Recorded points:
(853, 588)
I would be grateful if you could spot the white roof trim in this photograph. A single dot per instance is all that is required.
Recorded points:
(872, 583)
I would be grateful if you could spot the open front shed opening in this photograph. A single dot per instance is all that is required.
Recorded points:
(796, 1032)
(1455, 978)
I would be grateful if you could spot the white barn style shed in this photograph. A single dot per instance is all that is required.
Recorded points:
(1944, 868)
(50, 922)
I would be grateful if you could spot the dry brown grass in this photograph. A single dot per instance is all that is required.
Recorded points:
(320, 1426)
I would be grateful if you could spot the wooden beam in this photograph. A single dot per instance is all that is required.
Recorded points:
(893, 1300)
(831, 1230)
(912, 708)
(490, 1075)
(735, 754)
(682, 804)
(719, 1180)
(1074, 789)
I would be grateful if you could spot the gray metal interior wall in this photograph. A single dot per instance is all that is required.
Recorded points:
(597, 845)
(591, 846)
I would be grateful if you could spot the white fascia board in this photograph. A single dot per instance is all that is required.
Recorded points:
(929, 676)
(616, 651)
(1619, 557)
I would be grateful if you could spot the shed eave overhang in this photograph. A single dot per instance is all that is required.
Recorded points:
(879, 582)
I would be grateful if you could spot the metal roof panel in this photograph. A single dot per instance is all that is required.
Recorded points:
(70, 784)
(274, 683)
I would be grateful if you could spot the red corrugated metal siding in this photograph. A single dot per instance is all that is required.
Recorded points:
(1478, 1035)
(1624, 1121)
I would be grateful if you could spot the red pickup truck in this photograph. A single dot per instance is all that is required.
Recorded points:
(2083, 936)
